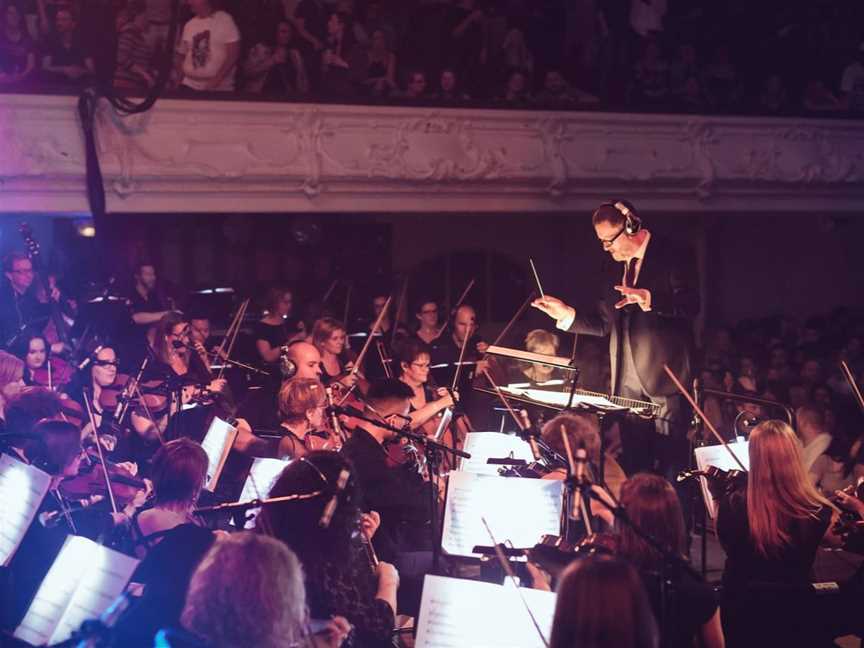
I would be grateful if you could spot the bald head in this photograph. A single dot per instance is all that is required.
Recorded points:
(464, 323)
(307, 359)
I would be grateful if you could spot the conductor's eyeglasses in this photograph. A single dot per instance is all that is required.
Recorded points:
(608, 243)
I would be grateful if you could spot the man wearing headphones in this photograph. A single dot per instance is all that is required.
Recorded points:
(647, 314)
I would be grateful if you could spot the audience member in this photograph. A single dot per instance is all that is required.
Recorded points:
(415, 86)
(650, 87)
(17, 49)
(209, 49)
(341, 64)
(852, 83)
(380, 66)
(277, 69)
(449, 88)
(517, 94)
(135, 68)
(810, 423)
(65, 58)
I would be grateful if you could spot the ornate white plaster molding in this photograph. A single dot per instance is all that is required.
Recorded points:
(248, 157)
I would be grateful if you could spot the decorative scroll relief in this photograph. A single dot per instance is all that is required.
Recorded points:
(188, 155)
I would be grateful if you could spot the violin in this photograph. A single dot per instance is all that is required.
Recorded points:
(90, 481)
(152, 392)
(554, 553)
(54, 374)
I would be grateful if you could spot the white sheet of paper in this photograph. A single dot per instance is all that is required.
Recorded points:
(22, 489)
(492, 445)
(456, 613)
(516, 509)
(81, 584)
(262, 476)
(217, 443)
(718, 456)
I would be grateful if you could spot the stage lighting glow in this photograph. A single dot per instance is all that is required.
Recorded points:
(85, 228)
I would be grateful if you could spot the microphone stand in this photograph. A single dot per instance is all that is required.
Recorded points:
(433, 452)
(233, 507)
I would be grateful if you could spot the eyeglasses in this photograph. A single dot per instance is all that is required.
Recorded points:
(106, 363)
(608, 243)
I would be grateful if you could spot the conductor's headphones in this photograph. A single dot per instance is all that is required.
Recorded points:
(632, 222)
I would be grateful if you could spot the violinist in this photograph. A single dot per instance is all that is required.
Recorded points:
(771, 531)
(340, 577)
(329, 337)
(306, 359)
(55, 449)
(691, 607)
(101, 375)
(23, 411)
(11, 379)
(374, 366)
(583, 431)
(178, 474)
(41, 367)
(399, 493)
(302, 402)
(277, 328)
(426, 314)
(427, 402)
(176, 358)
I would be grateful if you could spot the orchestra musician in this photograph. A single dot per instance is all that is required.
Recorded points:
(329, 337)
(384, 335)
(148, 305)
(11, 378)
(20, 303)
(545, 343)
(647, 314)
(306, 360)
(428, 401)
(277, 328)
(426, 314)
(302, 402)
(341, 576)
(23, 410)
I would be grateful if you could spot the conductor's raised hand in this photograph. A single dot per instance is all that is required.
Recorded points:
(639, 296)
(553, 307)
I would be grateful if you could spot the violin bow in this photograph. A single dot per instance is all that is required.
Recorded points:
(93, 425)
(350, 286)
(400, 306)
(513, 319)
(329, 292)
(456, 307)
(362, 354)
(850, 378)
(458, 372)
(148, 414)
(701, 414)
(238, 319)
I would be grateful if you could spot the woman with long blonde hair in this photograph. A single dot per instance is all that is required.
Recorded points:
(770, 532)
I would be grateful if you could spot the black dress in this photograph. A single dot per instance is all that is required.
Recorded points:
(767, 600)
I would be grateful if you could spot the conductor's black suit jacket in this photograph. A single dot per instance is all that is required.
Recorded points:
(663, 335)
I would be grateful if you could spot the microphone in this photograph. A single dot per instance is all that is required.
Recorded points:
(330, 509)
(579, 462)
(86, 361)
(50, 519)
(177, 344)
(532, 440)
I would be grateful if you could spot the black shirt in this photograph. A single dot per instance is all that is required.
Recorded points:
(791, 565)
(314, 17)
(689, 605)
(399, 495)
(17, 311)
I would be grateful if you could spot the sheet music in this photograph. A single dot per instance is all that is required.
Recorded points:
(517, 509)
(22, 489)
(492, 445)
(262, 476)
(81, 584)
(717, 456)
(217, 444)
(455, 613)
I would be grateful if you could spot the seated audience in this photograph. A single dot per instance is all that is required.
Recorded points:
(380, 78)
(815, 439)
(415, 87)
(65, 58)
(517, 94)
(208, 51)
(602, 604)
(852, 83)
(449, 90)
(248, 592)
(135, 68)
(17, 49)
(277, 69)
